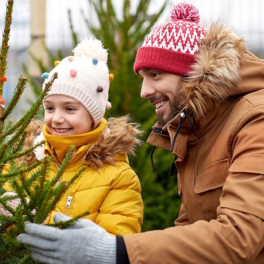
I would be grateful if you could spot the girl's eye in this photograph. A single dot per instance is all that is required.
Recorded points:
(49, 108)
(70, 109)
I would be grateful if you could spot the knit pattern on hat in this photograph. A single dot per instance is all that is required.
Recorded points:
(84, 77)
(171, 46)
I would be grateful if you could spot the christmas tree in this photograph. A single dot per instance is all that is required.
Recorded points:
(33, 194)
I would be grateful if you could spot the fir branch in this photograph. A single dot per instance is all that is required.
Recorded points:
(24, 183)
(4, 204)
(7, 224)
(24, 153)
(21, 85)
(43, 190)
(18, 144)
(9, 175)
(34, 198)
(64, 164)
(5, 46)
(70, 222)
(8, 123)
(45, 167)
(9, 253)
(20, 126)
(20, 224)
(44, 207)
(2, 153)
(23, 203)
(57, 194)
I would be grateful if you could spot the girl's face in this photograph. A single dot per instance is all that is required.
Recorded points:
(65, 116)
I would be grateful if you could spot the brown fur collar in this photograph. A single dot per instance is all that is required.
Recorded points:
(216, 71)
(121, 137)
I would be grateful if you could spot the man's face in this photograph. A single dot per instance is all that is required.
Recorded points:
(162, 90)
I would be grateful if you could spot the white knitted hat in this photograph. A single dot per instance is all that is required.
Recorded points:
(84, 77)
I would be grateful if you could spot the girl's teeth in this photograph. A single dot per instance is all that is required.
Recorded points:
(61, 130)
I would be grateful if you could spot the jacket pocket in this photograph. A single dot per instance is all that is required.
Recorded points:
(208, 186)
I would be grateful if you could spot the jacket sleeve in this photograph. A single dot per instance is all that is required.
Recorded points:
(121, 212)
(236, 235)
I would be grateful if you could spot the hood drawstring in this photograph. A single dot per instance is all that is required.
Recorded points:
(192, 124)
(173, 167)
(177, 130)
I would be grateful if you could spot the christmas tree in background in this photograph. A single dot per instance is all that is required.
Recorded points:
(33, 194)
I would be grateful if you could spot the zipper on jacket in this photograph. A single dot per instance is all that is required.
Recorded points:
(69, 200)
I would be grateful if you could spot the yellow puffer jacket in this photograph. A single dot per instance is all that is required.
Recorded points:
(109, 189)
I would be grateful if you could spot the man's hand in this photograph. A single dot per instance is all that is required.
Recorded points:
(84, 242)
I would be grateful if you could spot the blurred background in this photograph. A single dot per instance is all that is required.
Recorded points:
(36, 21)
(47, 30)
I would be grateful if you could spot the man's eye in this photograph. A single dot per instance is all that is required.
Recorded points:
(154, 74)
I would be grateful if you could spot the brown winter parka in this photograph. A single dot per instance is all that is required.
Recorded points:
(220, 161)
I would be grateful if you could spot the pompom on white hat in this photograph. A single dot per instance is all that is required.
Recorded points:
(84, 77)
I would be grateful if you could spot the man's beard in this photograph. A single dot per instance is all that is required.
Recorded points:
(162, 120)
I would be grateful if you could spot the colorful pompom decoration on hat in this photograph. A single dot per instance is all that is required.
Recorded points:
(73, 73)
(56, 63)
(95, 61)
(45, 75)
(111, 77)
(108, 105)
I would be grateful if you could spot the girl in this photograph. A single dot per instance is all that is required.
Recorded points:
(74, 108)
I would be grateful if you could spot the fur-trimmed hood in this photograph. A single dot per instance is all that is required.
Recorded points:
(121, 137)
(224, 68)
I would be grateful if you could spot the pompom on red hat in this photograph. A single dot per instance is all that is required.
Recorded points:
(171, 46)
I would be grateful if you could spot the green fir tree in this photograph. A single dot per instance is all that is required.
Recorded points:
(36, 194)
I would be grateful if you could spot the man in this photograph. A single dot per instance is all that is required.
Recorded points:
(208, 90)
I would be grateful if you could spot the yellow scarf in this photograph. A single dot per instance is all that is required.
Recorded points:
(61, 144)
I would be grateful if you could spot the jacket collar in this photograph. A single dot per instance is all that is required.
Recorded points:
(59, 145)
(110, 141)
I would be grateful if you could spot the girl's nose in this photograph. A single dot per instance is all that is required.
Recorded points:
(58, 117)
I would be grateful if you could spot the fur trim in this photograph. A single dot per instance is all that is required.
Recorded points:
(120, 137)
(216, 71)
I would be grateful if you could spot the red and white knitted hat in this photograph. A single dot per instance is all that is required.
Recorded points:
(171, 46)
